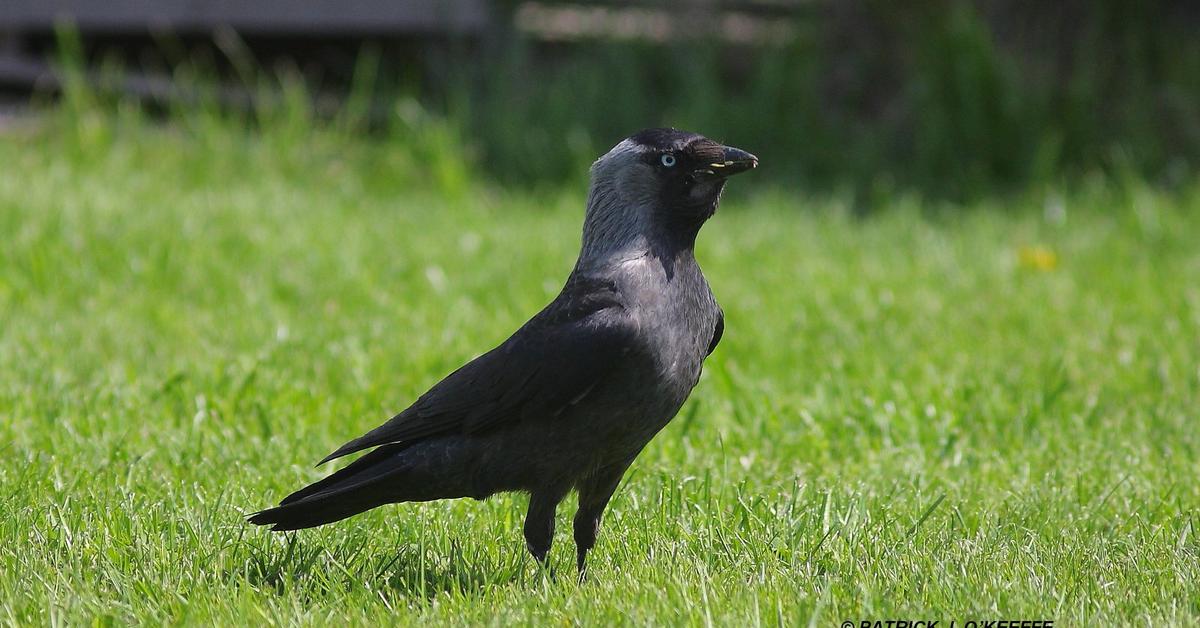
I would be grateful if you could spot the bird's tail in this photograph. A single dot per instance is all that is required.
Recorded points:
(377, 478)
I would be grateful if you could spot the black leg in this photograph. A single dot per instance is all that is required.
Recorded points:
(594, 494)
(539, 523)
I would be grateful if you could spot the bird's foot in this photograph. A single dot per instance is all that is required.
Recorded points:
(581, 565)
(545, 568)
(539, 553)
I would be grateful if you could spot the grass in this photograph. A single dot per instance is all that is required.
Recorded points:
(924, 413)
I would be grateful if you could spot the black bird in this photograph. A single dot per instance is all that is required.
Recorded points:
(574, 395)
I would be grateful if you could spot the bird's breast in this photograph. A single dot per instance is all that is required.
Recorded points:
(676, 316)
(679, 330)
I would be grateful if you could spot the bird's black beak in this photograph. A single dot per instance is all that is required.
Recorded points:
(734, 160)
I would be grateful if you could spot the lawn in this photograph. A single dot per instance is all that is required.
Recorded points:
(924, 412)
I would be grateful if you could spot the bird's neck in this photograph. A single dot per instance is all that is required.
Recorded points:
(615, 231)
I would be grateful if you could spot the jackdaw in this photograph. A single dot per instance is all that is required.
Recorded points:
(574, 395)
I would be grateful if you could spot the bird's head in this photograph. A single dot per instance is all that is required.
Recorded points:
(658, 183)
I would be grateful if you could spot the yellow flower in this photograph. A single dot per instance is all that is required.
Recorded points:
(1037, 257)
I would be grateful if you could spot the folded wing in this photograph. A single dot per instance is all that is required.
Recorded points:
(548, 365)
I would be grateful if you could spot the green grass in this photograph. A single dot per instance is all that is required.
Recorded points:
(905, 420)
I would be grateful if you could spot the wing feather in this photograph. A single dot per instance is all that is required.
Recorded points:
(551, 363)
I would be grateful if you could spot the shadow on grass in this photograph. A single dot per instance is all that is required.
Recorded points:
(314, 570)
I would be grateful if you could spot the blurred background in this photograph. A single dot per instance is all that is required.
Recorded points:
(952, 99)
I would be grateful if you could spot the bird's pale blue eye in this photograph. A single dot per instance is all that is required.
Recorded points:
(668, 160)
